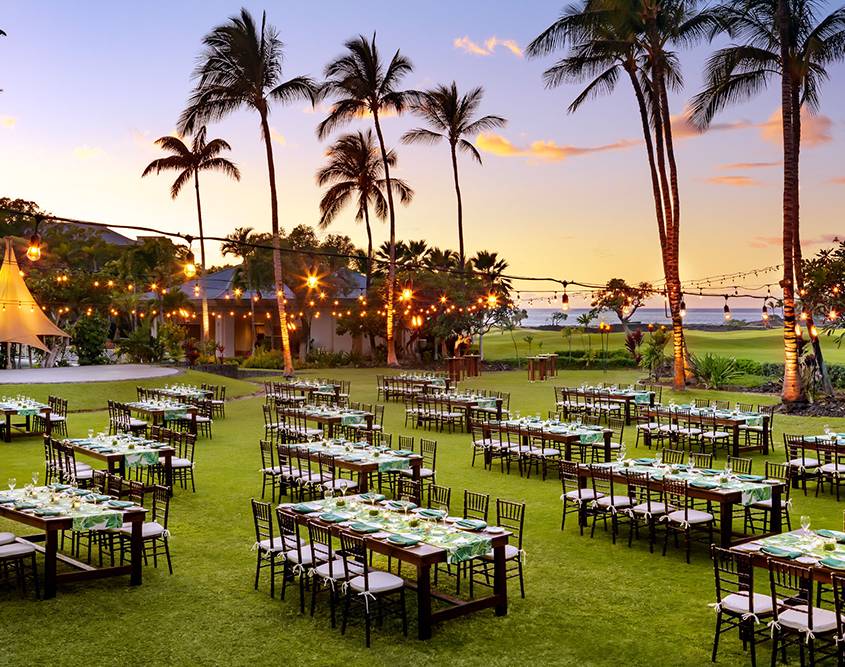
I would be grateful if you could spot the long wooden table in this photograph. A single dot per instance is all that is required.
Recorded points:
(8, 413)
(423, 556)
(567, 439)
(759, 559)
(116, 460)
(328, 419)
(626, 400)
(308, 390)
(725, 500)
(463, 404)
(50, 527)
(158, 414)
(733, 422)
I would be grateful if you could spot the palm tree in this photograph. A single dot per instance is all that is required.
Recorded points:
(355, 168)
(777, 39)
(609, 38)
(362, 84)
(240, 244)
(489, 264)
(189, 162)
(241, 67)
(451, 117)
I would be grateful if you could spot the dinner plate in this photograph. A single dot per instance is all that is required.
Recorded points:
(495, 529)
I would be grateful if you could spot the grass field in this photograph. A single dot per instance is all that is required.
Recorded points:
(589, 603)
(763, 346)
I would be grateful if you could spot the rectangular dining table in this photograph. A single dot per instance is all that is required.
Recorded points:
(52, 525)
(328, 419)
(423, 556)
(723, 497)
(759, 559)
(159, 414)
(115, 461)
(567, 439)
(465, 404)
(624, 399)
(9, 411)
(733, 422)
(309, 390)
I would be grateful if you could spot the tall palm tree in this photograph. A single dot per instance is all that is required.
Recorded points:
(609, 38)
(240, 244)
(363, 84)
(777, 39)
(451, 117)
(241, 67)
(492, 267)
(355, 168)
(189, 162)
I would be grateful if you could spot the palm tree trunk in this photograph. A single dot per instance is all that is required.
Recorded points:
(462, 256)
(793, 389)
(206, 327)
(391, 273)
(369, 247)
(277, 254)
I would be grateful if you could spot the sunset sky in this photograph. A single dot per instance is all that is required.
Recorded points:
(87, 88)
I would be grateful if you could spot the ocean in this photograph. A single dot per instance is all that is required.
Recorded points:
(645, 316)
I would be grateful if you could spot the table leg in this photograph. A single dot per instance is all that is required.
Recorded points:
(467, 418)
(194, 422)
(51, 547)
(168, 473)
(766, 434)
(424, 601)
(607, 446)
(48, 423)
(137, 551)
(363, 482)
(627, 412)
(500, 580)
(498, 409)
(330, 431)
(736, 439)
(776, 515)
(8, 435)
(726, 512)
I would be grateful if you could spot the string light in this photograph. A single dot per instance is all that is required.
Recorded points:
(727, 309)
(683, 312)
(33, 253)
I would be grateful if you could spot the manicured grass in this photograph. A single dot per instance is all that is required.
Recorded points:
(589, 603)
(763, 346)
(84, 396)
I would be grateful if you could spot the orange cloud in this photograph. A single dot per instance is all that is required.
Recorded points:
(683, 129)
(836, 181)
(815, 130)
(766, 241)
(747, 165)
(86, 152)
(275, 136)
(740, 181)
(469, 46)
(8, 121)
(548, 151)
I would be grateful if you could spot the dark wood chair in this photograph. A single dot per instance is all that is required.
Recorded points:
(684, 518)
(511, 517)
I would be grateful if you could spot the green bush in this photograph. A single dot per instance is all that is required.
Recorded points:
(715, 371)
(322, 358)
(266, 359)
(88, 336)
(140, 345)
(234, 360)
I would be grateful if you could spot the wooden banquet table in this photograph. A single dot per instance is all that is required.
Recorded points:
(733, 421)
(115, 461)
(9, 410)
(422, 557)
(158, 414)
(309, 389)
(52, 525)
(327, 419)
(465, 404)
(623, 397)
(567, 439)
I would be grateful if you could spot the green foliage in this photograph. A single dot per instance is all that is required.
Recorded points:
(322, 358)
(89, 336)
(654, 352)
(173, 337)
(266, 359)
(715, 371)
(140, 346)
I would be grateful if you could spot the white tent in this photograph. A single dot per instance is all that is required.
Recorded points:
(21, 318)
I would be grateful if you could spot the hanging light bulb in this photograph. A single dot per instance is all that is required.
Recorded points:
(190, 265)
(33, 253)
(683, 308)
(727, 309)
(765, 311)
(407, 290)
(564, 302)
(312, 282)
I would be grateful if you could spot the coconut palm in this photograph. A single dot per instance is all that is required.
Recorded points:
(492, 267)
(609, 38)
(451, 117)
(241, 67)
(364, 84)
(777, 40)
(189, 162)
(355, 169)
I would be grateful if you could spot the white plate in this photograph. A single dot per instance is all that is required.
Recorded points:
(807, 560)
(495, 529)
(772, 481)
(380, 535)
(453, 519)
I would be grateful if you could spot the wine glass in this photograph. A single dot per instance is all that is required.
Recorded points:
(658, 457)
(827, 430)
(328, 494)
(805, 525)
(90, 433)
(12, 483)
(728, 466)
(406, 502)
(620, 455)
(35, 476)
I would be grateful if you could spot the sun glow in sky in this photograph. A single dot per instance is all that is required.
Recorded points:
(88, 87)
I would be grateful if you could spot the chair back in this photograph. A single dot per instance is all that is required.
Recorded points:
(406, 442)
(675, 494)
(734, 574)
(410, 489)
(136, 491)
(511, 516)
(700, 460)
(439, 497)
(722, 405)
(428, 450)
(267, 462)
(320, 538)
(739, 465)
(476, 505)
(189, 441)
(791, 585)
(262, 517)
(354, 550)
(673, 456)
(289, 531)
(114, 485)
(378, 416)
(161, 505)
(617, 425)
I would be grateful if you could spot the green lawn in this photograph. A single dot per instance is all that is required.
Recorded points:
(764, 346)
(589, 603)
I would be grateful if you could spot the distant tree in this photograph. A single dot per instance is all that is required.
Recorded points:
(622, 298)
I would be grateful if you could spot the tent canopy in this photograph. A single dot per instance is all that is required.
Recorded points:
(21, 318)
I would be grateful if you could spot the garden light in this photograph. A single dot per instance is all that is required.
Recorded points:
(33, 253)
(190, 265)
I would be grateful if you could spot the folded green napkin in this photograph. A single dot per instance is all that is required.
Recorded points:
(751, 478)
(712, 471)
(81, 492)
(60, 487)
(430, 514)
(372, 497)
(644, 462)
(352, 459)
(302, 508)
(471, 524)
(7, 500)
(329, 517)
(44, 511)
(779, 552)
(119, 504)
(702, 484)
(402, 540)
(97, 498)
(359, 527)
(403, 452)
(400, 505)
(107, 450)
(25, 506)
(839, 537)
(833, 563)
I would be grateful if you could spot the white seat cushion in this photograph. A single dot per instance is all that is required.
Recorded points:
(832, 468)
(6, 538)
(805, 462)
(424, 472)
(656, 508)
(16, 550)
(738, 604)
(616, 501)
(136, 423)
(307, 556)
(693, 516)
(149, 530)
(583, 494)
(763, 504)
(339, 484)
(796, 618)
(511, 553)
(715, 435)
(380, 582)
(337, 571)
(275, 470)
(280, 544)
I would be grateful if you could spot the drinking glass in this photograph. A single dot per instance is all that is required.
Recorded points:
(805, 524)
(90, 433)
(406, 501)
(620, 455)
(827, 430)
(35, 476)
(328, 494)
(658, 457)
(12, 483)
(728, 467)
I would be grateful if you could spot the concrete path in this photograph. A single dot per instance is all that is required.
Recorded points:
(70, 374)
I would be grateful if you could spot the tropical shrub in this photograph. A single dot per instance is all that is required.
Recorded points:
(715, 371)
(88, 337)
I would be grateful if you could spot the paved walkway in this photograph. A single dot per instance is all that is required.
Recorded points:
(70, 374)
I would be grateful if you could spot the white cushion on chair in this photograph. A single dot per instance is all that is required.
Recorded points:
(149, 530)
(280, 544)
(380, 582)
(805, 462)
(6, 538)
(738, 603)
(692, 516)
(584, 494)
(716, 435)
(337, 570)
(511, 552)
(136, 423)
(16, 550)
(339, 484)
(424, 472)
(616, 501)
(642, 508)
(796, 618)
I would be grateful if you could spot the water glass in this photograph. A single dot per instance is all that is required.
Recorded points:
(12, 483)
(805, 524)
(35, 476)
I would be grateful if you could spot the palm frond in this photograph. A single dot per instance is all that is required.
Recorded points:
(421, 135)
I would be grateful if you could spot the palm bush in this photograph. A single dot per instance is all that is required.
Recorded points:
(715, 371)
